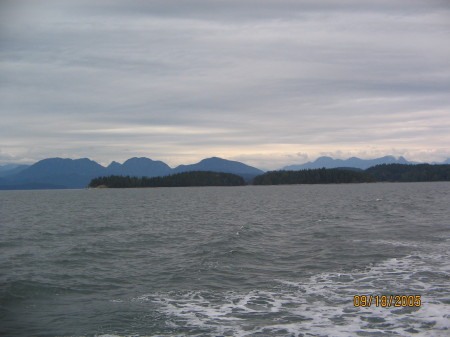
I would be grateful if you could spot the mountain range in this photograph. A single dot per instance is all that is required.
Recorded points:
(54, 173)
(353, 162)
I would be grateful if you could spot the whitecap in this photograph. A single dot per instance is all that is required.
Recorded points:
(322, 305)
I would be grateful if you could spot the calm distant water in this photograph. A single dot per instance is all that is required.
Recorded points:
(225, 261)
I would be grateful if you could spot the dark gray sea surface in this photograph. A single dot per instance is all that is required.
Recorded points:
(225, 261)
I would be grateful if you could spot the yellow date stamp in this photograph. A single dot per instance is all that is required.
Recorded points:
(387, 301)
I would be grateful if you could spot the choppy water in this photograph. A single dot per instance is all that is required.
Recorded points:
(225, 261)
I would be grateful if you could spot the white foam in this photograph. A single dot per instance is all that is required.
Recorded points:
(323, 304)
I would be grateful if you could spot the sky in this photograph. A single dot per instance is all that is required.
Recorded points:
(265, 82)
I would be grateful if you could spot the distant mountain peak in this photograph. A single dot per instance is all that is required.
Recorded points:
(217, 164)
(218, 160)
(140, 167)
(132, 159)
(329, 162)
(11, 169)
(113, 164)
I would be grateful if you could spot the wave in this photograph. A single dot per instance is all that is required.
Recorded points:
(321, 305)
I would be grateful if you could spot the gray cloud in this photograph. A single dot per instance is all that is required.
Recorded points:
(182, 80)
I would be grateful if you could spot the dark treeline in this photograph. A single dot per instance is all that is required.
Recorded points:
(379, 173)
(410, 173)
(313, 176)
(384, 172)
(194, 178)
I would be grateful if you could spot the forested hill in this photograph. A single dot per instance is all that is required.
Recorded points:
(410, 173)
(313, 176)
(194, 178)
(378, 173)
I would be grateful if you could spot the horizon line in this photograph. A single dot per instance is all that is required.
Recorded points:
(302, 163)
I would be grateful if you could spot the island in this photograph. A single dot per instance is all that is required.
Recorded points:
(378, 173)
(185, 179)
(313, 176)
(410, 172)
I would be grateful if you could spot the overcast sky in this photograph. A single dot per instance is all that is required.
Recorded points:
(265, 82)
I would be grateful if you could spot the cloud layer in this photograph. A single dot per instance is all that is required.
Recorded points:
(257, 81)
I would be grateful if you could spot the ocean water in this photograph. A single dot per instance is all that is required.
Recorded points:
(225, 261)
